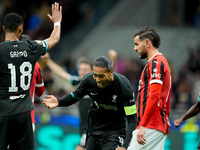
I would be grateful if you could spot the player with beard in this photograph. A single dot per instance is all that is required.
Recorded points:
(112, 101)
(153, 96)
(84, 67)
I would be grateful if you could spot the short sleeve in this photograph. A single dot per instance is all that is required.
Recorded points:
(156, 71)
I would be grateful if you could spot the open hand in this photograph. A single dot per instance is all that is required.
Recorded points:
(50, 102)
(56, 13)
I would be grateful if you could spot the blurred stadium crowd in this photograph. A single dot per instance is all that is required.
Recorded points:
(186, 81)
(34, 13)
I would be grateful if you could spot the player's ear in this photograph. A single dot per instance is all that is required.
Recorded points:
(111, 74)
(147, 43)
(20, 29)
(4, 28)
(111, 71)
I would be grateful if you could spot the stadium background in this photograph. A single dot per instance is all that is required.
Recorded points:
(89, 29)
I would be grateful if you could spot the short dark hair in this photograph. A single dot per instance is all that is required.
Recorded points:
(86, 61)
(149, 33)
(12, 21)
(104, 62)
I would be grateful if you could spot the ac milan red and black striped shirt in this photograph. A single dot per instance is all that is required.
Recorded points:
(156, 71)
(36, 87)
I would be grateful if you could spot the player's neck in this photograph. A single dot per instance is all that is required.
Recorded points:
(151, 53)
(11, 36)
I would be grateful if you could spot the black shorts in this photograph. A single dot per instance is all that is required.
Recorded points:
(16, 131)
(104, 142)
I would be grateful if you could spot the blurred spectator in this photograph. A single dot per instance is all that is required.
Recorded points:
(132, 72)
(194, 61)
(120, 64)
(70, 63)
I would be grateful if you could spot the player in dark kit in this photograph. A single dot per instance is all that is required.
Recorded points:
(84, 67)
(37, 85)
(17, 62)
(112, 102)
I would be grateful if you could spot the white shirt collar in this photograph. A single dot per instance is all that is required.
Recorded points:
(154, 55)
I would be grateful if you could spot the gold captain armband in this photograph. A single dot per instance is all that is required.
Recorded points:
(130, 110)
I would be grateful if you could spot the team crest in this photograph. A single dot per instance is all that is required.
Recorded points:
(114, 98)
(155, 70)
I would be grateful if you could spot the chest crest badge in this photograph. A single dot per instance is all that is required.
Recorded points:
(114, 98)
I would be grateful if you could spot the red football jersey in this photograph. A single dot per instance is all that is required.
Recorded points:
(156, 71)
(36, 87)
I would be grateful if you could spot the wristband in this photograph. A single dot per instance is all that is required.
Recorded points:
(56, 24)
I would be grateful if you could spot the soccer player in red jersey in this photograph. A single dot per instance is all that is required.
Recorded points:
(36, 88)
(153, 96)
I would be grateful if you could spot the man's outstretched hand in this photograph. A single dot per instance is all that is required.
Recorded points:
(50, 102)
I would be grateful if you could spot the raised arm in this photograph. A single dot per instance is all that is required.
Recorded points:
(56, 69)
(56, 18)
(112, 54)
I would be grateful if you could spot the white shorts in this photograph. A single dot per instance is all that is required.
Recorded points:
(155, 140)
(83, 140)
(33, 125)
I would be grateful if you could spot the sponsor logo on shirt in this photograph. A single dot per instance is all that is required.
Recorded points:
(155, 75)
(108, 107)
(105, 106)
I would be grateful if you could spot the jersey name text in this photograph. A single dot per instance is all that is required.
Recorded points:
(18, 54)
